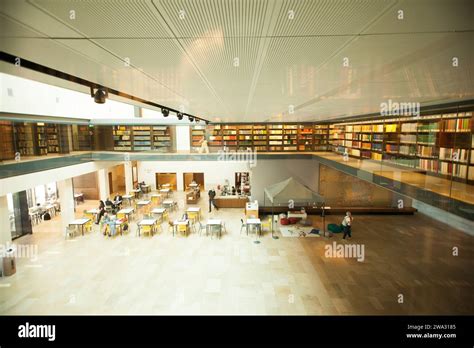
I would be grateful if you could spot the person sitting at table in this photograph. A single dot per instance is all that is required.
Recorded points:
(233, 191)
(184, 217)
(101, 211)
(109, 220)
(40, 210)
(118, 201)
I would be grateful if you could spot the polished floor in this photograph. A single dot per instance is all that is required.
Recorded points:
(410, 256)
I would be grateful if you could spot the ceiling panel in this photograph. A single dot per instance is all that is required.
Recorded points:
(185, 52)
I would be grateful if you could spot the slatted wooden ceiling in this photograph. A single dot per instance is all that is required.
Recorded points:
(183, 52)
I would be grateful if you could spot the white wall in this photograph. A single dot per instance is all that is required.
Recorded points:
(269, 172)
(36, 98)
(27, 181)
(183, 138)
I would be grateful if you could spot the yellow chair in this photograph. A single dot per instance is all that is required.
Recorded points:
(146, 229)
(193, 215)
(155, 200)
(183, 228)
(267, 224)
(166, 216)
(121, 216)
(88, 226)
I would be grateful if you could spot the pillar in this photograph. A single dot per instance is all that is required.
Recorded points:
(22, 217)
(128, 177)
(5, 231)
(103, 179)
(66, 197)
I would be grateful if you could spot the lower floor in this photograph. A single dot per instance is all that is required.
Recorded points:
(411, 265)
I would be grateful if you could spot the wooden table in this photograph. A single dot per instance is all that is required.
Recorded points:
(80, 222)
(147, 222)
(212, 223)
(127, 212)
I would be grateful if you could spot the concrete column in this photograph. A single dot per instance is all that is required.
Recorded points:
(5, 231)
(66, 197)
(103, 179)
(128, 177)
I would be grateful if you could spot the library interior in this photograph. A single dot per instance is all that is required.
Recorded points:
(237, 157)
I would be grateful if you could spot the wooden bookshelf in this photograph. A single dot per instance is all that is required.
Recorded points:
(52, 138)
(7, 144)
(245, 137)
(122, 138)
(161, 138)
(24, 134)
(198, 133)
(260, 137)
(215, 137)
(41, 139)
(84, 138)
(439, 145)
(229, 136)
(321, 135)
(142, 138)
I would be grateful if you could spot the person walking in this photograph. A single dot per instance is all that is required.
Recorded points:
(347, 225)
(212, 195)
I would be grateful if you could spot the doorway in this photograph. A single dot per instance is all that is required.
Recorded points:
(111, 184)
(190, 177)
(166, 178)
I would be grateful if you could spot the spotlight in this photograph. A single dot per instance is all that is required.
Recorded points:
(100, 95)
(191, 119)
(165, 112)
(207, 122)
(180, 116)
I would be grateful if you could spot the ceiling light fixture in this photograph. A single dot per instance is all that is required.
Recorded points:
(100, 96)
(191, 119)
(180, 116)
(165, 112)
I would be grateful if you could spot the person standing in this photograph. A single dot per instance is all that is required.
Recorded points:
(212, 195)
(101, 212)
(347, 225)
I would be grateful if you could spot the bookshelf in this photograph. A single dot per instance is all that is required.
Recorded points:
(84, 138)
(7, 145)
(290, 137)
(229, 136)
(245, 137)
(260, 137)
(122, 138)
(305, 138)
(275, 137)
(161, 138)
(25, 139)
(198, 133)
(52, 138)
(440, 145)
(321, 135)
(41, 139)
(141, 138)
(215, 137)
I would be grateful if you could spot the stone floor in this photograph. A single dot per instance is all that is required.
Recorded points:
(410, 256)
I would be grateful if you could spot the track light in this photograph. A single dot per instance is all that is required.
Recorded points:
(165, 112)
(180, 116)
(207, 122)
(191, 119)
(100, 96)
